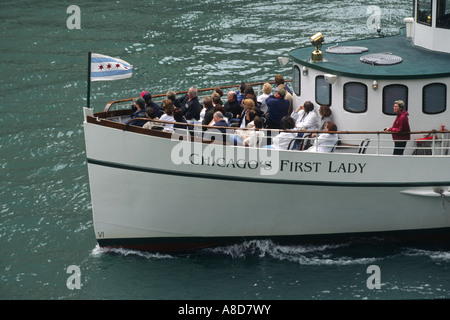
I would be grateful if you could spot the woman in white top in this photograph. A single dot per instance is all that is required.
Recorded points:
(326, 141)
(283, 139)
(267, 91)
(305, 117)
(168, 115)
(255, 135)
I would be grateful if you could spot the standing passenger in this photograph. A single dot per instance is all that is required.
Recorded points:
(400, 129)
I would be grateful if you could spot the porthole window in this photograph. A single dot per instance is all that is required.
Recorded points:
(393, 93)
(323, 91)
(355, 97)
(296, 80)
(434, 98)
(424, 15)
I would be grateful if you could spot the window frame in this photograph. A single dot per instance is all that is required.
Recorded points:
(405, 100)
(296, 87)
(366, 93)
(423, 97)
(431, 14)
(329, 91)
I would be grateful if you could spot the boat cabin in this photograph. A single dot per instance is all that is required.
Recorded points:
(360, 80)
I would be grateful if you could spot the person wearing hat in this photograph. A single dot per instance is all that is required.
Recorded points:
(149, 103)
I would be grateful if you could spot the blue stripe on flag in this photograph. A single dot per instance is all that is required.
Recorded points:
(110, 73)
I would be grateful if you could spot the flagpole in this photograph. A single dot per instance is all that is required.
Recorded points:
(89, 82)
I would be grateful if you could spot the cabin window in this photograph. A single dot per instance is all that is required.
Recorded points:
(393, 93)
(323, 91)
(355, 97)
(296, 80)
(424, 12)
(443, 14)
(434, 98)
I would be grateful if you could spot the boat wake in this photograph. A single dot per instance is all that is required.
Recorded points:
(302, 254)
(98, 251)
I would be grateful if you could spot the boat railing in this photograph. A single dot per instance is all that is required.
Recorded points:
(157, 98)
(422, 143)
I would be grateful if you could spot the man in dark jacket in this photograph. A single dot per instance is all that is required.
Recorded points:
(139, 104)
(277, 108)
(232, 105)
(190, 106)
(149, 103)
(219, 122)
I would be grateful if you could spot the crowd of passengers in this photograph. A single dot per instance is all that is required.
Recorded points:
(247, 113)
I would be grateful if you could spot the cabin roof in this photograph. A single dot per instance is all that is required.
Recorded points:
(416, 62)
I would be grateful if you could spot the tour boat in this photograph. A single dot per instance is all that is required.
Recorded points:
(168, 191)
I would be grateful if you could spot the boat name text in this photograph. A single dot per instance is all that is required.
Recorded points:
(284, 165)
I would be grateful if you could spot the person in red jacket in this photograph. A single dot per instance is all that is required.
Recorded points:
(400, 129)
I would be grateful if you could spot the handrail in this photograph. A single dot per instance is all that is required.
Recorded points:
(438, 141)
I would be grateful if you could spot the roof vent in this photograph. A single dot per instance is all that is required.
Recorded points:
(346, 49)
(381, 59)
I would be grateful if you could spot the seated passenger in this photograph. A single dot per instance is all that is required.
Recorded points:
(208, 111)
(267, 91)
(171, 95)
(151, 114)
(168, 115)
(190, 106)
(139, 105)
(326, 141)
(305, 117)
(218, 128)
(283, 139)
(149, 103)
(254, 136)
(324, 117)
(179, 118)
(232, 105)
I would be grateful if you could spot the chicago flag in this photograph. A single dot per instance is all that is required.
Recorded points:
(108, 68)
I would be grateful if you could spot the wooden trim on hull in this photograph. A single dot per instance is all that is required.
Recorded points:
(186, 244)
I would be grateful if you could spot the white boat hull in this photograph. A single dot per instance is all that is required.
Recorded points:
(160, 194)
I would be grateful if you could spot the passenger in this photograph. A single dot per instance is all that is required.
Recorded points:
(168, 114)
(209, 111)
(232, 105)
(277, 108)
(151, 114)
(240, 134)
(400, 129)
(306, 120)
(220, 122)
(324, 117)
(279, 80)
(218, 104)
(179, 118)
(139, 106)
(326, 141)
(254, 136)
(218, 91)
(248, 105)
(249, 93)
(190, 106)
(267, 91)
(283, 139)
(305, 117)
(149, 103)
(240, 92)
(171, 95)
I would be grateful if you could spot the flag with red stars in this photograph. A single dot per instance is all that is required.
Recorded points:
(108, 68)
